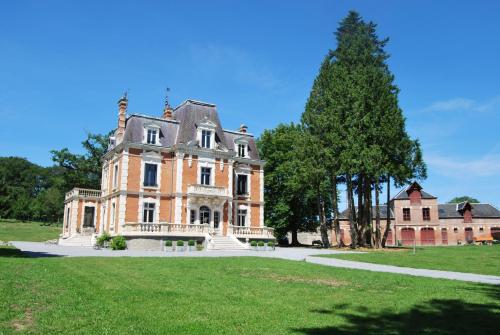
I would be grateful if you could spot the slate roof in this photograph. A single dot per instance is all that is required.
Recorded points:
(134, 129)
(182, 128)
(344, 215)
(402, 195)
(450, 211)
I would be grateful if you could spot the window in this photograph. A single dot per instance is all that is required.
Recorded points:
(481, 229)
(112, 223)
(242, 217)
(150, 174)
(205, 176)
(192, 219)
(205, 138)
(151, 136)
(67, 217)
(406, 214)
(216, 219)
(455, 230)
(241, 150)
(426, 214)
(149, 212)
(204, 215)
(242, 184)
(115, 176)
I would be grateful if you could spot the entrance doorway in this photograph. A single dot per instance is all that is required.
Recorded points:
(88, 220)
(204, 215)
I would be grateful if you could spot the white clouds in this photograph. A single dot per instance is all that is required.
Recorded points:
(236, 64)
(462, 105)
(488, 165)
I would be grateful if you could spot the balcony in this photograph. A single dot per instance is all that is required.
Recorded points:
(252, 232)
(82, 193)
(206, 190)
(165, 229)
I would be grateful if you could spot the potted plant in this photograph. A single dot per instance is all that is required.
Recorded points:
(261, 245)
(180, 246)
(199, 247)
(192, 245)
(103, 241)
(168, 245)
(253, 245)
(270, 245)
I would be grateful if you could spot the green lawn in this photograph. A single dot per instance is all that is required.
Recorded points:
(13, 230)
(232, 296)
(474, 259)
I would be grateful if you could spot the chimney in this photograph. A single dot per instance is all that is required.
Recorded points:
(122, 115)
(167, 112)
(243, 128)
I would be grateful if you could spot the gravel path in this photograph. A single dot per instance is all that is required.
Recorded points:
(471, 277)
(40, 249)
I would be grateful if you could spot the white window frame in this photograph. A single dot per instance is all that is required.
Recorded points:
(209, 176)
(151, 157)
(206, 125)
(244, 142)
(206, 162)
(152, 127)
(115, 175)
(149, 209)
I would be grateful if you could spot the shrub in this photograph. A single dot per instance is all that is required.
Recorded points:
(261, 243)
(168, 243)
(118, 243)
(103, 238)
(180, 243)
(191, 243)
(199, 247)
(253, 243)
(270, 244)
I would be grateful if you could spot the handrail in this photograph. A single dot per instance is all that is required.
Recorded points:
(249, 231)
(83, 192)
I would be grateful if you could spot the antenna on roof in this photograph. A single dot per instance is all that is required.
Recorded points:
(167, 103)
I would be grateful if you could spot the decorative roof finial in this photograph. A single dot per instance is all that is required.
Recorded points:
(167, 103)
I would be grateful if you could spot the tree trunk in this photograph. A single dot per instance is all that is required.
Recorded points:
(295, 240)
(323, 229)
(368, 211)
(377, 214)
(360, 211)
(336, 222)
(388, 222)
(352, 212)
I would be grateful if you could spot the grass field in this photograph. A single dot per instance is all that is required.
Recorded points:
(232, 296)
(473, 259)
(13, 230)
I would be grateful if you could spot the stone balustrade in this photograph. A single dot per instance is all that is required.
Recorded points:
(166, 229)
(207, 190)
(239, 231)
(83, 193)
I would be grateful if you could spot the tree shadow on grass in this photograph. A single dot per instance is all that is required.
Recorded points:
(436, 316)
(11, 252)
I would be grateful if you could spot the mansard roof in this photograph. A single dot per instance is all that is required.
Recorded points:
(450, 211)
(134, 129)
(181, 129)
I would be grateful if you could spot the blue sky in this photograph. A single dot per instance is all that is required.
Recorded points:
(64, 64)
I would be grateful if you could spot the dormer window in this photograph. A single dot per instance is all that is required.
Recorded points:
(242, 150)
(241, 146)
(206, 136)
(151, 136)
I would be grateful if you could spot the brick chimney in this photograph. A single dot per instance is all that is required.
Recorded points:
(167, 112)
(122, 115)
(243, 128)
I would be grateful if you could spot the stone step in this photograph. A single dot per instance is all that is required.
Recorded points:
(226, 243)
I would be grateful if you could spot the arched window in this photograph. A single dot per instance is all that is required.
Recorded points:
(204, 215)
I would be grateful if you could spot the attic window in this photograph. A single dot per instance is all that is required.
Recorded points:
(205, 138)
(152, 136)
(242, 148)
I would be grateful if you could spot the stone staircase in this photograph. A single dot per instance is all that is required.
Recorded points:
(76, 241)
(219, 242)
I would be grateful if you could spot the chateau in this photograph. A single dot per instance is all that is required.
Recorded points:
(417, 218)
(179, 176)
